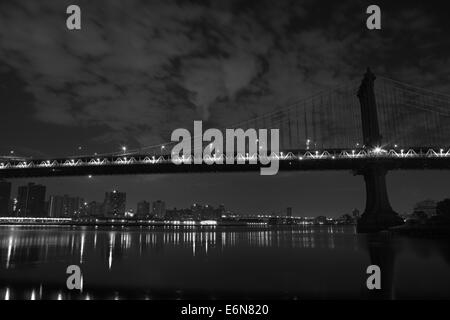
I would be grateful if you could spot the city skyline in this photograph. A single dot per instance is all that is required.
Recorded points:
(133, 207)
(113, 204)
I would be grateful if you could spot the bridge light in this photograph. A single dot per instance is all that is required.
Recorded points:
(124, 149)
(377, 150)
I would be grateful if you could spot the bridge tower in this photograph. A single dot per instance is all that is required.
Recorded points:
(378, 214)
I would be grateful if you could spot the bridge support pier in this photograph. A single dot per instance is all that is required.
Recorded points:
(378, 214)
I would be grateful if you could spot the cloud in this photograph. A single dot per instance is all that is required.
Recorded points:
(139, 69)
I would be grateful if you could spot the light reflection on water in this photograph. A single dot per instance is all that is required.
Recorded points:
(229, 262)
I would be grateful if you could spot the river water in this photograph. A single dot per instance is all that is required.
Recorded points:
(304, 262)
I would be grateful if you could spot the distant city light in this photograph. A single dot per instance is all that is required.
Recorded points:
(124, 149)
(129, 213)
(208, 223)
(20, 219)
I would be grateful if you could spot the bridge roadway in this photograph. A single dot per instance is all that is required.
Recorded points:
(354, 160)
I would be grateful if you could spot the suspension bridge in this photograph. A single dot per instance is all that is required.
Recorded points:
(366, 127)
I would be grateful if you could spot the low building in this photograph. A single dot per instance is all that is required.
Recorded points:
(428, 207)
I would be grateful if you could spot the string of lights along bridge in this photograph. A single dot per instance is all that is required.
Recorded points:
(324, 131)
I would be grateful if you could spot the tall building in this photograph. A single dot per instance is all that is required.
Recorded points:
(55, 206)
(65, 206)
(143, 209)
(13, 206)
(289, 212)
(114, 205)
(94, 209)
(31, 201)
(5, 195)
(159, 209)
(197, 210)
(73, 206)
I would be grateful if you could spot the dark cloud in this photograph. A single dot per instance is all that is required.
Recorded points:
(139, 69)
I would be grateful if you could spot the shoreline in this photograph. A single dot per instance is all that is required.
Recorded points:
(163, 225)
(422, 231)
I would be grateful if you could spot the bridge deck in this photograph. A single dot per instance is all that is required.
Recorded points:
(290, 161)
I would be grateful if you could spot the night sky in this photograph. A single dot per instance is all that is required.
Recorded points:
(140, 69)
